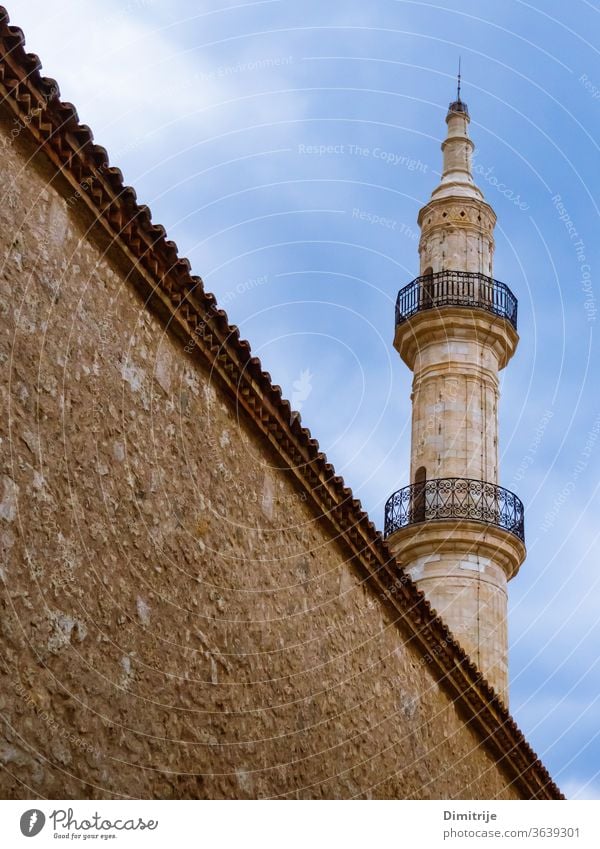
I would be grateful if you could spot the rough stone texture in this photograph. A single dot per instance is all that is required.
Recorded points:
(176, 620)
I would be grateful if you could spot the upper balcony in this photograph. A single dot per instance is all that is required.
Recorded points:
(456, 289)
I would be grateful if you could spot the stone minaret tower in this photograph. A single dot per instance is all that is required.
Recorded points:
(457, 533)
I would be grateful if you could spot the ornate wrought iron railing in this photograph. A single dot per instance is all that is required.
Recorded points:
(456, 289)
(455, 498)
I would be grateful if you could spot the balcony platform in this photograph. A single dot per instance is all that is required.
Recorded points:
(456, 289)
(455, 498)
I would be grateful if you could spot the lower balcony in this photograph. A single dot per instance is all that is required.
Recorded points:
(455, 498)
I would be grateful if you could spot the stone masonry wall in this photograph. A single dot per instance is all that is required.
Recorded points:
(175, 619)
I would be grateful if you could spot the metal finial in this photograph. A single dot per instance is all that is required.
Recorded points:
(458, 105)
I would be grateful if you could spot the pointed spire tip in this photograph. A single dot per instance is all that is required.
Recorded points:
(459, 105)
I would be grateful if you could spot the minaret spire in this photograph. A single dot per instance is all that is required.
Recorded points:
(458, 534)
(457, 147)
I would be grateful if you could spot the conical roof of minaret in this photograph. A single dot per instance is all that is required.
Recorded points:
(457, 147)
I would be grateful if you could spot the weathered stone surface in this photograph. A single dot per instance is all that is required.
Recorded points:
(176, 620)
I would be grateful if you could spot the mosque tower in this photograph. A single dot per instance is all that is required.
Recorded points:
(457, 533)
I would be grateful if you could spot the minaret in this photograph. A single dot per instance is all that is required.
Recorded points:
(458, 534)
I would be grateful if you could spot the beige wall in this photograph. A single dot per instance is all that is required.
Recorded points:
(454, 410)
(175, 619)
(469, 591)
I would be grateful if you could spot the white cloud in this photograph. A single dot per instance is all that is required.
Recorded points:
(128, 78)
(581, 789)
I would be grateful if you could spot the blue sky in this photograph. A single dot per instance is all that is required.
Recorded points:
(287, 147)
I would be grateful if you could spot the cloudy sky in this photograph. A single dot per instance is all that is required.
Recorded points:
(287, 147)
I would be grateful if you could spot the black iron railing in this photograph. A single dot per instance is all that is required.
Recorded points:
(456, 289)
(454, 498)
